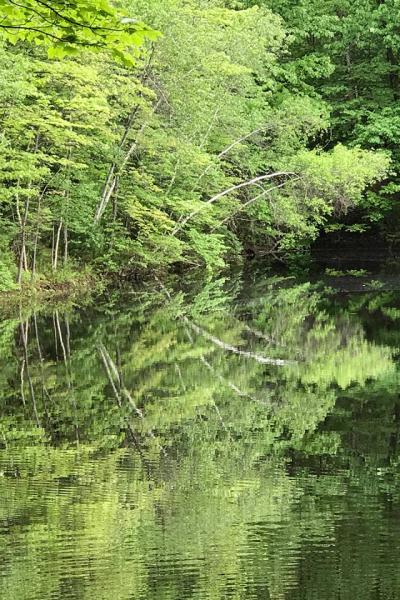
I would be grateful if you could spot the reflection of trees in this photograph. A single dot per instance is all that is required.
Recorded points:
(215, 435)
(270, 365)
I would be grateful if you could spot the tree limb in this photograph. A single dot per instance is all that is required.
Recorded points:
(233, 188)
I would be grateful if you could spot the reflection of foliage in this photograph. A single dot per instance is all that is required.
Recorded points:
(201, 439)
(267, 363)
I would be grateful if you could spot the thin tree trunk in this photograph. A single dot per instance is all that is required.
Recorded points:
(115, 199)
(24, 335)
(112, 374)
(23, 257)
(113, 174)
(68, 338)
(55, 336)
(34, 255)
(58, 325)
(23, 263)
(20, 220)
(53, 239)
(36, 242)
(37, 232)
(68, 374)
(103, 355)
(66, 243)
(57, 246)
(113, 370)
(22, 381)
(45, 393)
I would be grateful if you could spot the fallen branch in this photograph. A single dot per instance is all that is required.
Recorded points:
(252, 200)
(233, 188)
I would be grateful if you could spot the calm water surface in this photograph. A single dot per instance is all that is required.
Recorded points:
(239, 440)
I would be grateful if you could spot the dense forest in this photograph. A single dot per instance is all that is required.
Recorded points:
(162, 134)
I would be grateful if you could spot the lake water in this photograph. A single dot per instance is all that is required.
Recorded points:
(234, 440)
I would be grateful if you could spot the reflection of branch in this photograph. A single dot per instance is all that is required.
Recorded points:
(114, 374)
(207, 364)
(261, 335)
(111, 368)
(58, 326)
(104, 354)
(109, 375)
(24, 328)
(68, 373)
(22, 381)
(231, 385)
(224, 381)
(41, 360)
(266, 360)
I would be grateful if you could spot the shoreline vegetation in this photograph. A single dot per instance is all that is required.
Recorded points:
(182, 135)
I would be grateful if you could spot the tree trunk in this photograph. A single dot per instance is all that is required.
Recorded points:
(115, 169)
(57, 246)
(23, 257)
(65, 245)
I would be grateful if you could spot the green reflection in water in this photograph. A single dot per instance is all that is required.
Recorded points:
(238, 443)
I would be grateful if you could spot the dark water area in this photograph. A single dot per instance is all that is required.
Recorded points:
(238, 439)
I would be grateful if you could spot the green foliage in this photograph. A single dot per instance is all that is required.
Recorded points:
(143, 169)
(68, 27)
(352, 50)
(341, 175)
(7, 270)
(348, 272)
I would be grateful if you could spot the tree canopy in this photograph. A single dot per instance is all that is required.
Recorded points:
(226, 138)
(66, 27)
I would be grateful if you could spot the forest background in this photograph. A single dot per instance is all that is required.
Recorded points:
(173, 134)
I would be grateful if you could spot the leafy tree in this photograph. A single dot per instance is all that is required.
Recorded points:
(347, 54)
(120, 170)
(67, 27)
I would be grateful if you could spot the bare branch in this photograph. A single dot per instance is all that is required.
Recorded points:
(233, 188)
(252, 200)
